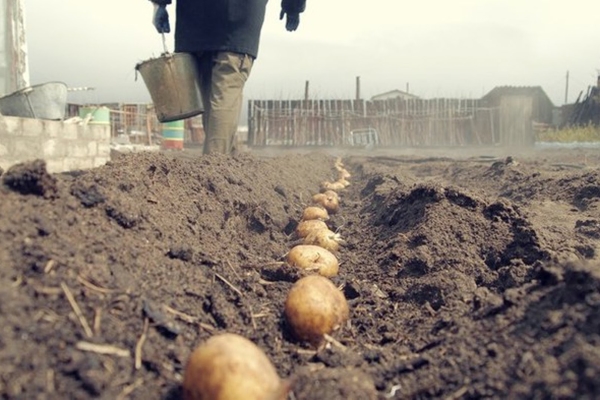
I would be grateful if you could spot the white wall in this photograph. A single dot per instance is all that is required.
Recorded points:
(64, 146)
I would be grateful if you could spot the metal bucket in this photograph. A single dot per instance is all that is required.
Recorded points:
(44, 101)
(173, 83)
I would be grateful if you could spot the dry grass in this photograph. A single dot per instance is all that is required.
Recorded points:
(588, 133)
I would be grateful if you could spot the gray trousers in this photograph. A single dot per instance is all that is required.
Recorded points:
(222, 79)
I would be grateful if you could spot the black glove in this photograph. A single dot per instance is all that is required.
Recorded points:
(161, 19)
(292, 21)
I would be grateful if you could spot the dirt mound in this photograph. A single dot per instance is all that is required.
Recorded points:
(31, 178)
(465, 278)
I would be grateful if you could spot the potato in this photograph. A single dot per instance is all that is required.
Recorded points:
(329, 202)
(230, 367)
(344, 174)
(305, 227)
(332, 193)
(315, 307)
(324, 238)
(315, 212)
(335, 186)
(343, 182)
(313, 258)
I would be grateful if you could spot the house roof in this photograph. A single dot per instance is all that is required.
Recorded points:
(394, 93)
(500, 91)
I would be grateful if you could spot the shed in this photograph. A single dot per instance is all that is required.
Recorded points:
(542, 107)
(519, 110)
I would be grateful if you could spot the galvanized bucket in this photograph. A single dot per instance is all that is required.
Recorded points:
(173, 83)
(44, 101)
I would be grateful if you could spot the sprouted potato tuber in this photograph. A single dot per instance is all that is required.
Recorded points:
(324, 238)
(335, 186)
(315, 307)
(313, 258)
(230, 367)
(315, 212)
(332, 193)
(305, 227)
(343, 174)
(343, 182)
(329, 202)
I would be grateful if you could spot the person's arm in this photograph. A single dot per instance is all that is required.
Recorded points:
(292, 8)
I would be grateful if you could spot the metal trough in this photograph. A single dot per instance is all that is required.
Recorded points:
(43, 101)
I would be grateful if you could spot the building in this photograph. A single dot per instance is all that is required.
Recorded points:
(542, 108)
(519, 113)
(394, 94)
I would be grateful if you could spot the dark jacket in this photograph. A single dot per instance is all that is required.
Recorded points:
(222, 25)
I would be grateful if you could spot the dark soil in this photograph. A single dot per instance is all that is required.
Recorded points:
(467, 277)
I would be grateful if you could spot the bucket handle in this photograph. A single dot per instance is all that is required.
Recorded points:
(26, 92)
(164, 42)
(166, 49)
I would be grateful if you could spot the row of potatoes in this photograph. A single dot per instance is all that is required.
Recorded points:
(230, 367)
(315, 307)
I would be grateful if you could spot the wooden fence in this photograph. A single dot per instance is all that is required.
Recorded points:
(397, 122)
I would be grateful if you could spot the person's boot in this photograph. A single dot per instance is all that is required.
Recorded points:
(216, 146)
(234, 146)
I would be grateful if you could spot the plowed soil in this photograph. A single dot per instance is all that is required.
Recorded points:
(467, 276)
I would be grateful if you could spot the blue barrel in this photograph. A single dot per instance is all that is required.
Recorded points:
(172, 134)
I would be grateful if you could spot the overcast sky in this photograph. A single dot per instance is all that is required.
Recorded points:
(440, 48)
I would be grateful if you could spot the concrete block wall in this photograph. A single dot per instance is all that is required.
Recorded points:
(64, 146)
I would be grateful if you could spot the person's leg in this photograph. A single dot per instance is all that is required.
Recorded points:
(229, 74)
(204, 63)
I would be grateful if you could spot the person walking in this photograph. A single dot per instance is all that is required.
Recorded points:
(223, 36)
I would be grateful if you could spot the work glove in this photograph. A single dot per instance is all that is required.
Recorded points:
(161, 18)
(292, 21)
